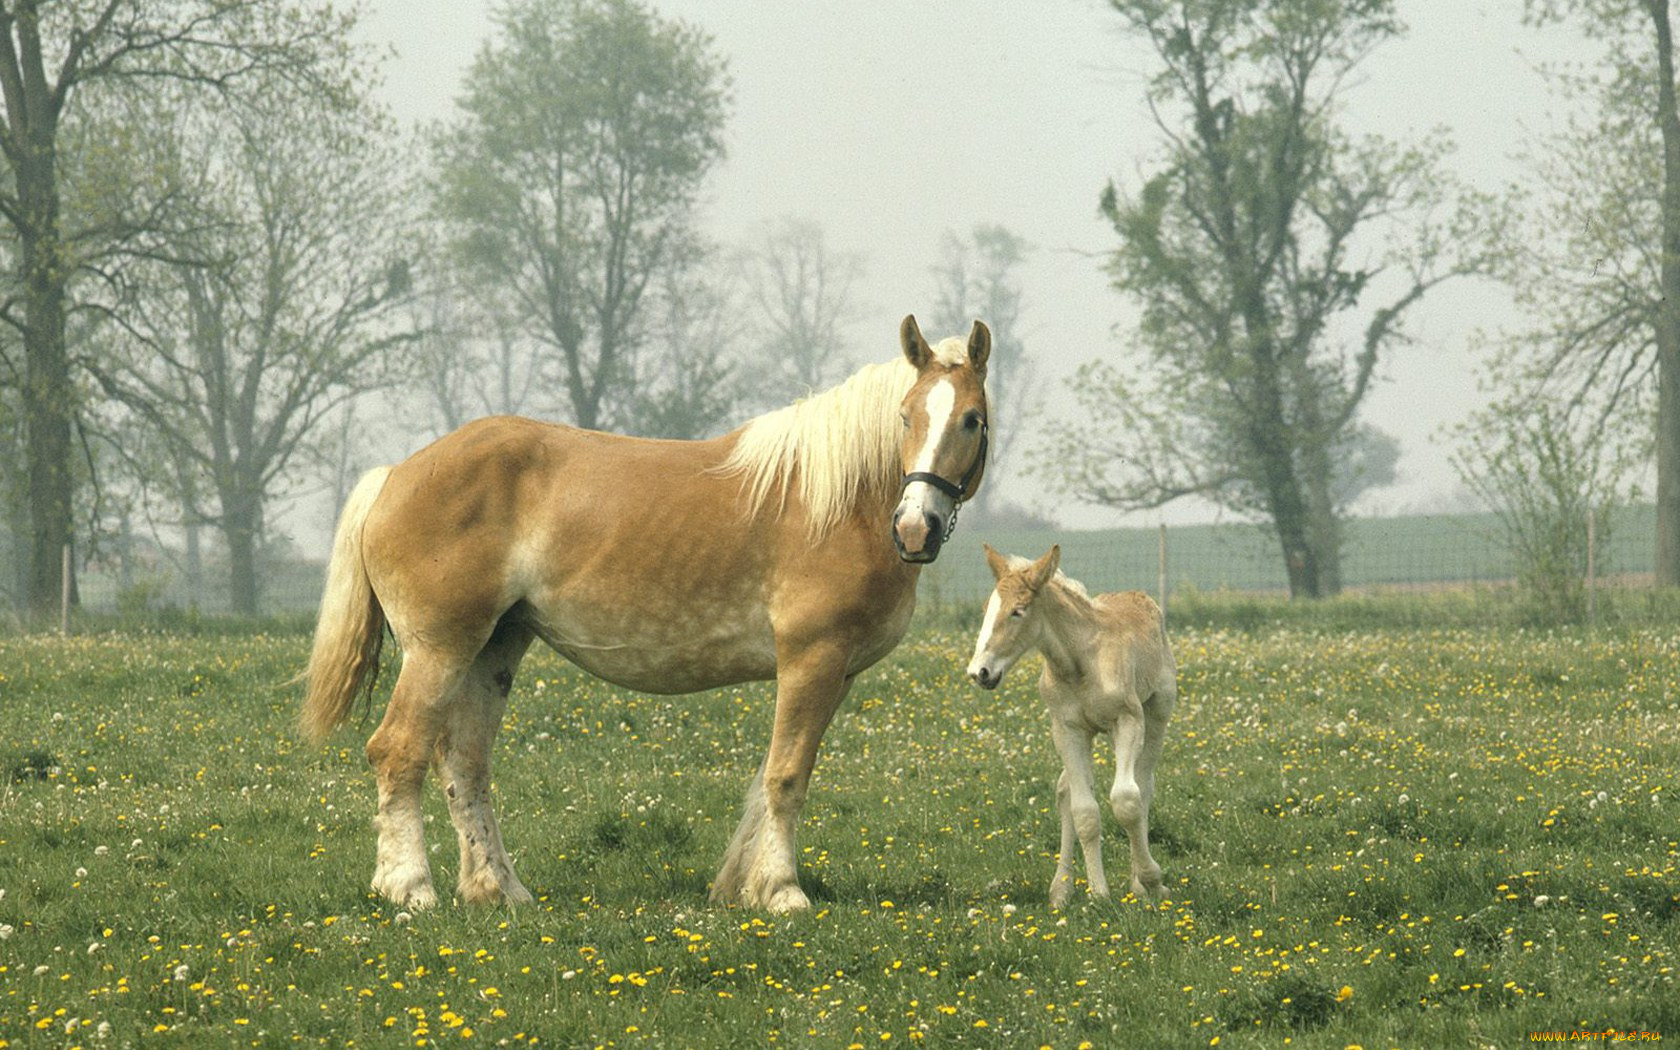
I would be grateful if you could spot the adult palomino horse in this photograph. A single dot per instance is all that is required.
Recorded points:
(1107, 669)
(661, 566)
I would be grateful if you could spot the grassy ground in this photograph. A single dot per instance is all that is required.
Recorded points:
(1385, 837)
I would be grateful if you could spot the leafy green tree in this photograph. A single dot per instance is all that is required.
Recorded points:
(569, 178)
(1256, 253)
(58, 59)
(1601, 280)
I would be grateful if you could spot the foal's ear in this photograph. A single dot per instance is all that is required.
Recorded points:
(1045, 567)
(916, 349)
(997, 562)
(979, 346)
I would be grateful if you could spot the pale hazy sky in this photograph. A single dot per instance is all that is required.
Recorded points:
(889, 122)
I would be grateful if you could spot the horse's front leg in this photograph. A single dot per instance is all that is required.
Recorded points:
(760, 869)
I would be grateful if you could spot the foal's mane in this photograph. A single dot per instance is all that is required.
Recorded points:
(1017, 563)
(840, 447)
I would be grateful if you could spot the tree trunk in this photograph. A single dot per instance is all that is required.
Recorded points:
(49, 398)
(1324, 527)
(1668, 312)
(240, 531)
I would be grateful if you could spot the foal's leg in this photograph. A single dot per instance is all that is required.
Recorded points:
(1156, 713)
(1137, 744)
(399, 752)
(760, 868)
(1076, 799)
(463, 768)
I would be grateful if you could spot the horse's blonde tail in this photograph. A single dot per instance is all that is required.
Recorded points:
(345, 658)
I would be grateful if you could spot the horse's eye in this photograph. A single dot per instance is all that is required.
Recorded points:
(1017, 612)
(971, 421)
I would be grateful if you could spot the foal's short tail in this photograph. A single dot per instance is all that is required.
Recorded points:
(351, 627)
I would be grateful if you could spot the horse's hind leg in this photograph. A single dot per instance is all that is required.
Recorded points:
(463, 768)
(400, 751)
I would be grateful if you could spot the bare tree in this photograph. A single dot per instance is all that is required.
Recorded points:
(803, 292)
(281, 298)
(979, 278)
(690, 382)
(472, 360)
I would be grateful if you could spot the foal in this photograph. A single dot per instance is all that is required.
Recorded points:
(1107, 669)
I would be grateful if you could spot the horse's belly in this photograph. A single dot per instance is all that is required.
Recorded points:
(672, 671)
(656, 656)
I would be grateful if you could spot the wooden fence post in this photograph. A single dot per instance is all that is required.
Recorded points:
(1161, 570)
(1592, 566)
(64, 592)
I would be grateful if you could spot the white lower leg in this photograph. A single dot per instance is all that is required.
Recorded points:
(401, 872)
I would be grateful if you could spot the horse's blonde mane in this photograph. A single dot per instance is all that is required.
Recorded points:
(840, 446)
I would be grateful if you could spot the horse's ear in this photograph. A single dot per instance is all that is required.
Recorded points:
(979, 346)
(1045, 567)
(997, 562)
(916, 349)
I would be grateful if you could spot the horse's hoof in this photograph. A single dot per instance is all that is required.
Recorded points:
(787, 899)
(415, 894)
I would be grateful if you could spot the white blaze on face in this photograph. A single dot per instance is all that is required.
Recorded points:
(993, 607)
(919, 497)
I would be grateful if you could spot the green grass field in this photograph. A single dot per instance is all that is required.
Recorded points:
(1383, 838)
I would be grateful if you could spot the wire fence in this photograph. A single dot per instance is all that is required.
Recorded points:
(1416, 552)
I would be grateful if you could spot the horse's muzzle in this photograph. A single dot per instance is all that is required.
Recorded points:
(918, 537)
(984, 678)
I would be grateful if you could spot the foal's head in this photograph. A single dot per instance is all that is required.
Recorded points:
(943, 452)
(1013, 618)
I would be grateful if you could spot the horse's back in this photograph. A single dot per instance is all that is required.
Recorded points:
(1136, 629)
(507, 510)
(635, 558)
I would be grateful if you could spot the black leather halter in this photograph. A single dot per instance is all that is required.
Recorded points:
(959, 490)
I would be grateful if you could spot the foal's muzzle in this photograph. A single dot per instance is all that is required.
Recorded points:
(985, 677)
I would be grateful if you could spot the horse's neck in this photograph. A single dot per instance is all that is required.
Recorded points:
(1068, 637)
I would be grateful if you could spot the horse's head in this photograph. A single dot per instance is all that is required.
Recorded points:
(943, 451)
(1011, 626)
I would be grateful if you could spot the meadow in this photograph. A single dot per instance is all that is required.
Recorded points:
(1387, 837)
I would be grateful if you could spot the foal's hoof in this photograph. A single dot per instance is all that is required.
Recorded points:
(1060, 891)
(489, 893)
(413, 896)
